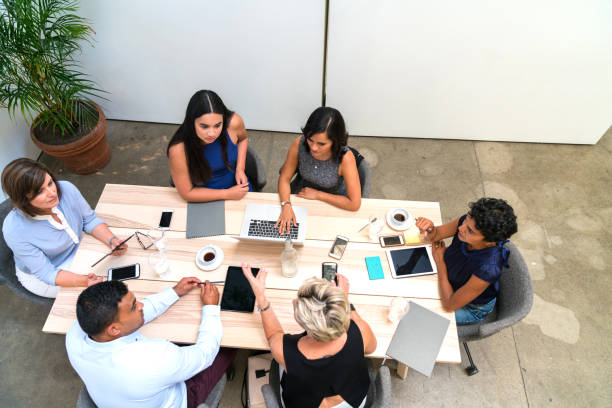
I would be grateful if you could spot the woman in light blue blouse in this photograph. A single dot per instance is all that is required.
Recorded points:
(45, 227)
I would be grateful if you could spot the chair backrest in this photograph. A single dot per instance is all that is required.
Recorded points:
(515, 296)
(7, 265)
(84, 400)
(379, 393)
(255, 169)
(364, 178)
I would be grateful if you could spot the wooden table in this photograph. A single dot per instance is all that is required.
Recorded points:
(128, 208)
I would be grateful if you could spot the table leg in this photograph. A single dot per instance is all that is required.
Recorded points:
(402, 370)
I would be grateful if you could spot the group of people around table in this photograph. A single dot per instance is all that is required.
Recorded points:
(207, 157)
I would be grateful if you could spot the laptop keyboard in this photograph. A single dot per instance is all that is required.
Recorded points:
(265, 228)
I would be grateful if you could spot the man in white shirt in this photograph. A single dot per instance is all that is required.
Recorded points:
(122, 368)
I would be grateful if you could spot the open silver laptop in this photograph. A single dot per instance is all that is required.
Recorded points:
(259, 220)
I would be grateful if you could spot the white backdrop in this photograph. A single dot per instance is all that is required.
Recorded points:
(531, 71)
(264, 58)
(15, 141)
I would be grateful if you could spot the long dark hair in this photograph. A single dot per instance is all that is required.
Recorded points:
(327, 120)
(201, 103)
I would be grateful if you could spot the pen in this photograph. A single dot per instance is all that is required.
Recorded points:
(369, 222)
(113, 250)
(213, 282)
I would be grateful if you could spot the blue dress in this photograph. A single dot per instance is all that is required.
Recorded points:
(222, 177)
(485, 263)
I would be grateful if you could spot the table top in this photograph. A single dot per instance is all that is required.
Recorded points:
(127, 208)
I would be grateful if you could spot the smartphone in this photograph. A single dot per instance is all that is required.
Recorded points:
(124, 272)
(391, 240)
(164, 220)
(337, 249)
(328, 270)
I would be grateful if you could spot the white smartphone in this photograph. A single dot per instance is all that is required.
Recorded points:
(391, 240)
(164, 220)
(337, 249)
(124, 272)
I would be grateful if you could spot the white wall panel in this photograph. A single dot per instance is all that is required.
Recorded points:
(264, 58)
(533, 71)
(15, 141)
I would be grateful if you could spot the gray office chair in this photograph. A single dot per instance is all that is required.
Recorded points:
(212, 401)
(379, 393)
(253, 168)
(363, 168)
(7, 266)
(514, 301)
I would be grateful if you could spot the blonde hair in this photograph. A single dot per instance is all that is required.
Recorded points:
(322, 309)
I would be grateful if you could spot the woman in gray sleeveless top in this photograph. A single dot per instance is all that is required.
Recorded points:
(326, 167)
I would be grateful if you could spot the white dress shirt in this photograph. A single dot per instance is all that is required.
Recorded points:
(136, 371)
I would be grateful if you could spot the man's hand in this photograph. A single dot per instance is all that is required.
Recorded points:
(185, 285)
(209, 294)
(115, 242)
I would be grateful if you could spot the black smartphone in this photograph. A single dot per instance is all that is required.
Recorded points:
(329, 270)
(124, 272)
(164, 220)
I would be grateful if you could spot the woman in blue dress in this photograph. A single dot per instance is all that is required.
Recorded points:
(469, 269)
(207, 154)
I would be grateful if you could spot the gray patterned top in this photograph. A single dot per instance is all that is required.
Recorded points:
(320, 174)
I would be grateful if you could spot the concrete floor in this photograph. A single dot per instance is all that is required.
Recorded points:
(558, 356)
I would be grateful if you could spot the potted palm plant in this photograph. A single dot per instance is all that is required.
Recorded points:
(39, 77)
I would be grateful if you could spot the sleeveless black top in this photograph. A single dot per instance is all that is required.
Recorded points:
(306, 382)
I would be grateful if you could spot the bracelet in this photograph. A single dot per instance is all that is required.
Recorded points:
(285, 202)
(259, 309)
(110, 241)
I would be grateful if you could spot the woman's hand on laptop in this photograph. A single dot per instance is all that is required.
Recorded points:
(285, 219)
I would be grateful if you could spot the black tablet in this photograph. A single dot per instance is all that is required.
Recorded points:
(237, 293)
(411, 261)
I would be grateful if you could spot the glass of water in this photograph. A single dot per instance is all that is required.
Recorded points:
(159, 238)
(159, 263)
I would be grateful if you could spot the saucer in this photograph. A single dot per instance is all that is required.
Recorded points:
(209, 266)
(397, 225)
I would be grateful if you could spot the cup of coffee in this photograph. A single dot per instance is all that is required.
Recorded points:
(399, 217)
(209, 256)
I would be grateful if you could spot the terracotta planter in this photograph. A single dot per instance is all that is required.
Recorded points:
(84, 156)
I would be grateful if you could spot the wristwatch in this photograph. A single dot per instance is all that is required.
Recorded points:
(259, 309)
(285, 202)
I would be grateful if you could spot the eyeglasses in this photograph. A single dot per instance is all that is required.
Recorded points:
(145, 242)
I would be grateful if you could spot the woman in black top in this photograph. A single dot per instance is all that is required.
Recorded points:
(325, 365)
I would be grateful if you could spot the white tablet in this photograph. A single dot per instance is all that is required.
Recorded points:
(411, 261)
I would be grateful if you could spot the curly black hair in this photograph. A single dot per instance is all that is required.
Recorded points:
(494, 218)
(97, 306)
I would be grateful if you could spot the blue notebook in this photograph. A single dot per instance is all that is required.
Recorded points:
(374, 267)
